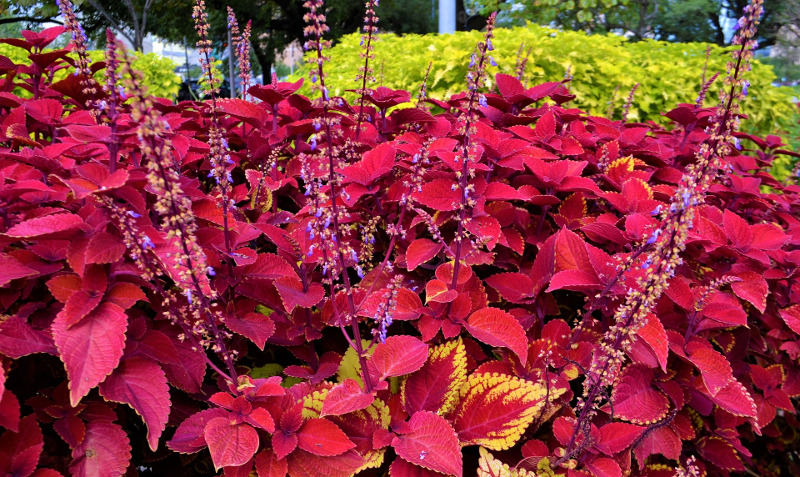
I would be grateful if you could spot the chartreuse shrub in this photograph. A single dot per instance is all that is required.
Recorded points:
(505, 286)
(157, 71)
(667, 73)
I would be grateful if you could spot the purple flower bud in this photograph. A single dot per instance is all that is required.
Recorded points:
(308, 227)
(656, 211)
(360, 272)
(313, 78)
(491, 60)
(646, 264)
(134, 214)
(122, 93)
(654, 237)
(745, 87)
(482, 101)
(318, 214)
(188, 294)
(489, 45)
(317, 126)
(147, 243)
(211, 272)
(313, 143)
(737, 144)
(212, 173)
(472, 61)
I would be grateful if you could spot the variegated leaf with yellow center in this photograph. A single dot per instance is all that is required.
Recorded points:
(435, 386)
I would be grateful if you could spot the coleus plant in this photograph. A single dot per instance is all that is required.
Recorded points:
(493, 284)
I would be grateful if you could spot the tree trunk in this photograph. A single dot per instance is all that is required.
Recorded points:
(265, 59)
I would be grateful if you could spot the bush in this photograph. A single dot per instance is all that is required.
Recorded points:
(507, 288)
(668, 73)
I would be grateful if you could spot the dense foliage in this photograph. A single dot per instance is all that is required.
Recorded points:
(498, 284)
(604, 68)
(158, 72)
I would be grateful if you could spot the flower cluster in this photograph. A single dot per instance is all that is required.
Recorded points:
(80, 47)
(314, 31)
(241, 44)
(365, 73)
(212, 81)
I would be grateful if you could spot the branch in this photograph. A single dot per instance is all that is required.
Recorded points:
(28, 19)
(114, 23)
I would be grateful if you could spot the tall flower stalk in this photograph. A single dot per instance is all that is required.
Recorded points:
(241, 45)
(80, 48)
(188, 266)
(365, 73)
(668, 242)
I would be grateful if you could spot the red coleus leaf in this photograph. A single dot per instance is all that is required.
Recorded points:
(403, 468)
(230, 443)
(375, 163)
(617, 436)
(495, 409)
(399, 355)
(434, 387)
(660, 440)
(713, 366)
(324, 438)
(752, 288)
(546, 126)
(791, 316)
(292, 293)
(604, 467)
(20, 451)
(256, 327)
(79, 304)
(11, 269)
(429, 441)
(655, 336)
(635, 399)
(105, 450)
(268, 265)
(91, 349)
(420, 251)
(439, 194)
(345, 397)
(514, 287)
(268, 464)
(496, 327)
(18, 338)
(45, 225)
(724, 308)
(735, 399)
(104, 248)
(439, 292)
(141, 384)
(720, 453)
(189, 438)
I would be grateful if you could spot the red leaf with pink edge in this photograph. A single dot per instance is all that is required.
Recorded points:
(713, 366)
(725, 308)
(512, 286)
(399, 355)
(420, 251)
(509, 86)
(634, 398)
(655, 336)
(439, 292)
(284, 443)
(735, 399)
(345, 397)
(104, 247)
(268, 464)
(141, 384)
(230, 444)
(292, 293)
(720, 453)
(324, 438)
(268, 265)
(791, 316)
(18, 338)
(80, 304)
(302, 463)
(439, 195)
(604, 467)
(403, 468)
(11, 269)
(20, 451)
(496, 327)
(91, 349)
(125, 295)
(752, 288)
(575, 280)
(189, 438)
(45, 225)
(375, 163)
(105, 450)
(429, 441)
(9, 410)
(256, 327)
(617, 436)
(545, 126)
(246, 110)
(660, 440)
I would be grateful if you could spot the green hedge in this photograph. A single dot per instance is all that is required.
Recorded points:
(669, 73)
(159, 76)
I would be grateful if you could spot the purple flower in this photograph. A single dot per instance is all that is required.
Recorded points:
(134, 214)
(472, 61)
(491, 60)
(147, 243)
(313, 143)
(656, 211)
(211, 271)
(654, 237)
(489, 45)
(737, 143)
(745, 87)
(482, 101)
